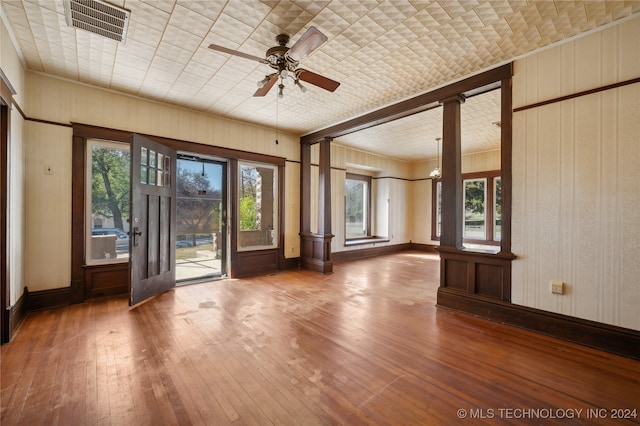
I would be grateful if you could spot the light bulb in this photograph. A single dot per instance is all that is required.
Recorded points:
(262, 82)
(300, 86)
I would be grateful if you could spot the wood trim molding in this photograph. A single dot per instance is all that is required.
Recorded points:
(16, 314)
(47, 299)
(618, 340)
(349, 255)
(476, 273)
(315, 252)
(364, 253)
(470, 86)
(579, 94)
(6, 98)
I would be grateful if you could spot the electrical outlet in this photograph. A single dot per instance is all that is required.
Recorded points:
(557, 287)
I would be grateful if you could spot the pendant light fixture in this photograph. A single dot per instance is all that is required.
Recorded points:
(435, 173)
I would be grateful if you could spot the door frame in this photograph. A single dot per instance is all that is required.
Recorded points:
(197, 157)
(5, 162)
(82, 276)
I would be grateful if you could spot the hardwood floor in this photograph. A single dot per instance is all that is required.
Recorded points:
(364, 345)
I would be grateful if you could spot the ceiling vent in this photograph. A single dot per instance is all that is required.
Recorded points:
(97, 17)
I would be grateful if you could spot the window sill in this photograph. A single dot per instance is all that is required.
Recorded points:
(365, 240)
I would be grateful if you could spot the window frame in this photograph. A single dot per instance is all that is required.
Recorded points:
(367, 205)
(276, 206)
(90, 144)
(490, 213)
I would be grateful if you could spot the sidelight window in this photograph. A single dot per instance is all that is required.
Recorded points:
(257, 206)
(107, 197)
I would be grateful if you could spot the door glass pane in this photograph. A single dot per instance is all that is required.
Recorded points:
(143, 156)
(257, 206)
(143, 174)
(160, 180)
(108, 199)
(152, 177)
(474, 208)
(152, 158)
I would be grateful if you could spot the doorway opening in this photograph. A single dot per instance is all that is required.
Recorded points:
(201, 219)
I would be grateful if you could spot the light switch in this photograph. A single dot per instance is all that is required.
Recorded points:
(557, 287)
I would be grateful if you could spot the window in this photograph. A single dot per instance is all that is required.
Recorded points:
(481, 224)
(257, 206)
(357, 206)
(475, 198)
(107, 210)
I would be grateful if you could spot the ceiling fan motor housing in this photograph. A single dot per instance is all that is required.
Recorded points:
(277, 57)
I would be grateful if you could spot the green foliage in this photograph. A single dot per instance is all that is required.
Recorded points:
(474, 196)
(110, 184)
(248, 213)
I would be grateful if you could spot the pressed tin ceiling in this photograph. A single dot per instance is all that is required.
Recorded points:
(381, 51)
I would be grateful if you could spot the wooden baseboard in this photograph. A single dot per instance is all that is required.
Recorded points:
(345, 256)
(45, 299)
(17, 313)
(349, 255)
(609, 338)
(289, 263)
(423, 247)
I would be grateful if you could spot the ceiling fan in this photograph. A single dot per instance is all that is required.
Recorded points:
(285, 61)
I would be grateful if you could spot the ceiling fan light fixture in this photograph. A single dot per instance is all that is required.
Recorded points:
(264, 81)
(300, 86)
(284, 61)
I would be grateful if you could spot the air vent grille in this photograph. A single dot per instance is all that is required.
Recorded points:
(97, 17)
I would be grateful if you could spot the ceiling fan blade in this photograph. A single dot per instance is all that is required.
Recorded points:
(236, 53)
(310, 41)
(267, 86)
(317, 80)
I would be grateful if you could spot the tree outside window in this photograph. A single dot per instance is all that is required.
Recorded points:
(108, 198)
(257, 206)
(482, 208)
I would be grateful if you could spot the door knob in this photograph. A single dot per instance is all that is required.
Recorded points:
(136, 233)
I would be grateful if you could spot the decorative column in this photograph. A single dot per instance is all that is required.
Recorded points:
(466, 277)
(316, 248)
(452, 214)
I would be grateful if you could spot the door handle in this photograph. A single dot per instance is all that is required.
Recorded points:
(136, 233)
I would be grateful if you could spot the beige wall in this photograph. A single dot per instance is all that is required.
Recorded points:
(576, 168)
(12, 68)
(47, 243)
(391, 193)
